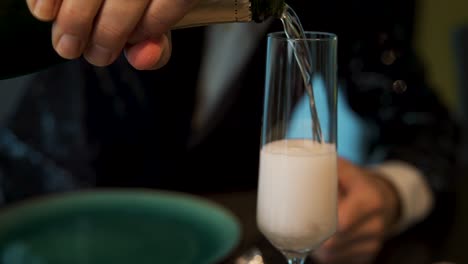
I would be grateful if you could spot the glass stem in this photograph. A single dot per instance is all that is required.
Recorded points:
(295, 258)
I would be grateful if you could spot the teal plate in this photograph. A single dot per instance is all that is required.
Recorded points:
(117, 227)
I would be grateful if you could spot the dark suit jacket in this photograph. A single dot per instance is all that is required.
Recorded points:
(137, 129)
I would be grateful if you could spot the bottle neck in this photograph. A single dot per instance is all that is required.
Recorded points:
(263, 9)
(207, 12)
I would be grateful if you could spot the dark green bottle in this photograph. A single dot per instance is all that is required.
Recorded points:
(25, 42)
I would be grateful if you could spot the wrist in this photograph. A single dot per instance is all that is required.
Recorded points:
(414, 193)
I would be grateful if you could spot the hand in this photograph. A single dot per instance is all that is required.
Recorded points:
(101, 29)
(368, 208)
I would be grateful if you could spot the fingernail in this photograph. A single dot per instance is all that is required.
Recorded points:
(69, 46)
(98, 55)
(44, 8)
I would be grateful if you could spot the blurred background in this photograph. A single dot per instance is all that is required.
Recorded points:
(441, 42)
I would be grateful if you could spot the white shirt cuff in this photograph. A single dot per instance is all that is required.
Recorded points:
(415, 195)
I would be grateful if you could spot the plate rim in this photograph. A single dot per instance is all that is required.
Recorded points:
(47, 203)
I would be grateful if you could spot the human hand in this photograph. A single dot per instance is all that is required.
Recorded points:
(368, 208)
(101, 29)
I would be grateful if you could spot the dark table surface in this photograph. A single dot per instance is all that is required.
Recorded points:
(441, 237)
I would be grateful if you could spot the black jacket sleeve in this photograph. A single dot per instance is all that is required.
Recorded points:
(25, 42)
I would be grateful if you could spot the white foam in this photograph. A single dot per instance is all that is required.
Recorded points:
(297, 195)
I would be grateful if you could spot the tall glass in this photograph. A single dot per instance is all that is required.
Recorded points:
(298, 188)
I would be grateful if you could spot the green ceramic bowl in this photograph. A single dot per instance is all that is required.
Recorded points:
(117, 227)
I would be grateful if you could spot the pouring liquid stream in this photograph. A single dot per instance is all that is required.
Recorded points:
(294, 30)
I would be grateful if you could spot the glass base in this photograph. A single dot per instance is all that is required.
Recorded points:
(294, 257)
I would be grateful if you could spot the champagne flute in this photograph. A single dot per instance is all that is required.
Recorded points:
(298, 186)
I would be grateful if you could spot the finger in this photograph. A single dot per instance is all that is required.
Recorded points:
(344, 163)
(73, 25)
(346, 174)
(44, 10)
(150, 54)
(350, 212)
(112, 27)
(160, 16)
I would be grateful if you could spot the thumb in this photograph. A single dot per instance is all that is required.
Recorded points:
(150, 54)
(349, 211)
(345, 175)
